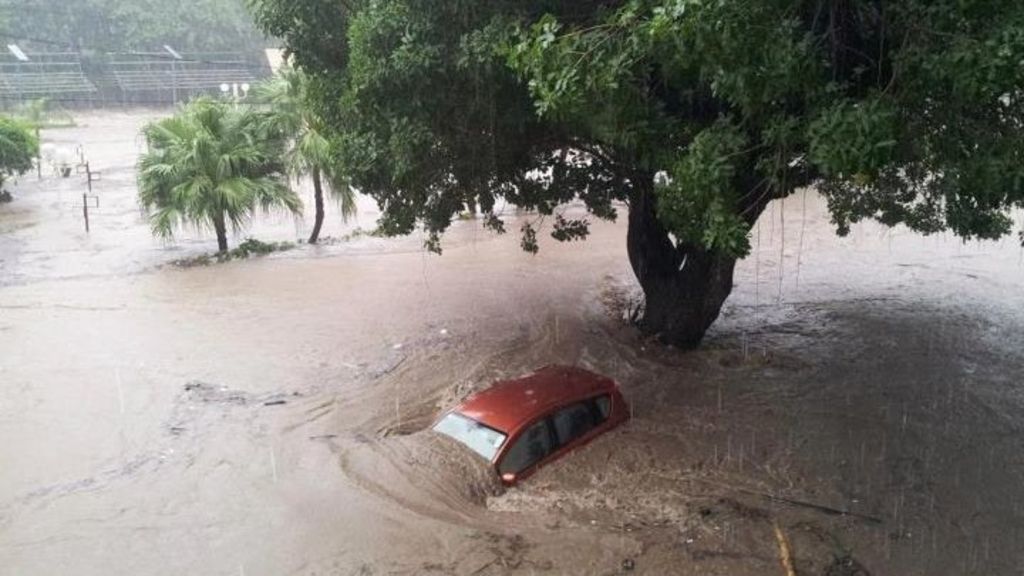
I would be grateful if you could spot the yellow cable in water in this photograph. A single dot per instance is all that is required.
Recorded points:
(784, 553)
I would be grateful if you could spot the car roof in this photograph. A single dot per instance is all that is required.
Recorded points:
(510, 404)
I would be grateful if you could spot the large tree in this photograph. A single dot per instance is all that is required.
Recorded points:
(213, 164)
(695, 113)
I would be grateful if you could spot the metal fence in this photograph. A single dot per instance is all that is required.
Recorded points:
(155, 78)
(55, 76)
(136, 78)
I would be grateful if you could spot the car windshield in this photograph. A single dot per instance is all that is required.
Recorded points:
(479, 438)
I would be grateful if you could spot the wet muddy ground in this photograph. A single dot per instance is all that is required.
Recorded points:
(267, 417)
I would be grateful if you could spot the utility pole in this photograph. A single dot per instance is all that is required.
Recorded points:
(175, 56)
(174, 83)
(39, 152)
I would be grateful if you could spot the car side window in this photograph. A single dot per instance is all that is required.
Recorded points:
(604, 406)
(533, 445)
(573, 422)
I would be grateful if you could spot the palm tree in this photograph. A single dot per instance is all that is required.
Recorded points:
(309, 151)
(212, 164)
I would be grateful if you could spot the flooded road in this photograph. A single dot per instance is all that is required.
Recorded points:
(267, 417)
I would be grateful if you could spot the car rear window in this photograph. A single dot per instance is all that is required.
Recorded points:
(479, 438)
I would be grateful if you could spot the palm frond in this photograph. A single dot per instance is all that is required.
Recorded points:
(284, 98)
(341, 191)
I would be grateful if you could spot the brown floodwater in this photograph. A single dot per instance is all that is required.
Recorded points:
(270, 416)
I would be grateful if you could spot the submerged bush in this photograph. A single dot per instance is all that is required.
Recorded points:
(249, 247)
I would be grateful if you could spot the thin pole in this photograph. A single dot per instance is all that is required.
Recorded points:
(174, 82)
(39, 153)
(86, 195)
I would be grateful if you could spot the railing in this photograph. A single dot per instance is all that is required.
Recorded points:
(135, 80)
(56, 75)
(129, 78)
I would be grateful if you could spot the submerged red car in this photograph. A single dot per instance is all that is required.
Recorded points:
(522, 424)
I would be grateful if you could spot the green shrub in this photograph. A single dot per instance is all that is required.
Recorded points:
(18, 148)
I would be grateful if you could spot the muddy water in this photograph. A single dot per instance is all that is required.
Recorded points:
(42, 236)
(267, 417)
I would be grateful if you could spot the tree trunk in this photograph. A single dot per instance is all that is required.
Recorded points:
(222, 233)
(684, 286)
(318, 201)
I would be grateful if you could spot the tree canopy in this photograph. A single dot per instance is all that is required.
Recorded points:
(907, 112)
(695, 113)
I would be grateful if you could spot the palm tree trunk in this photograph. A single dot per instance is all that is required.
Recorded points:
(318, 201)
(222, 233)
